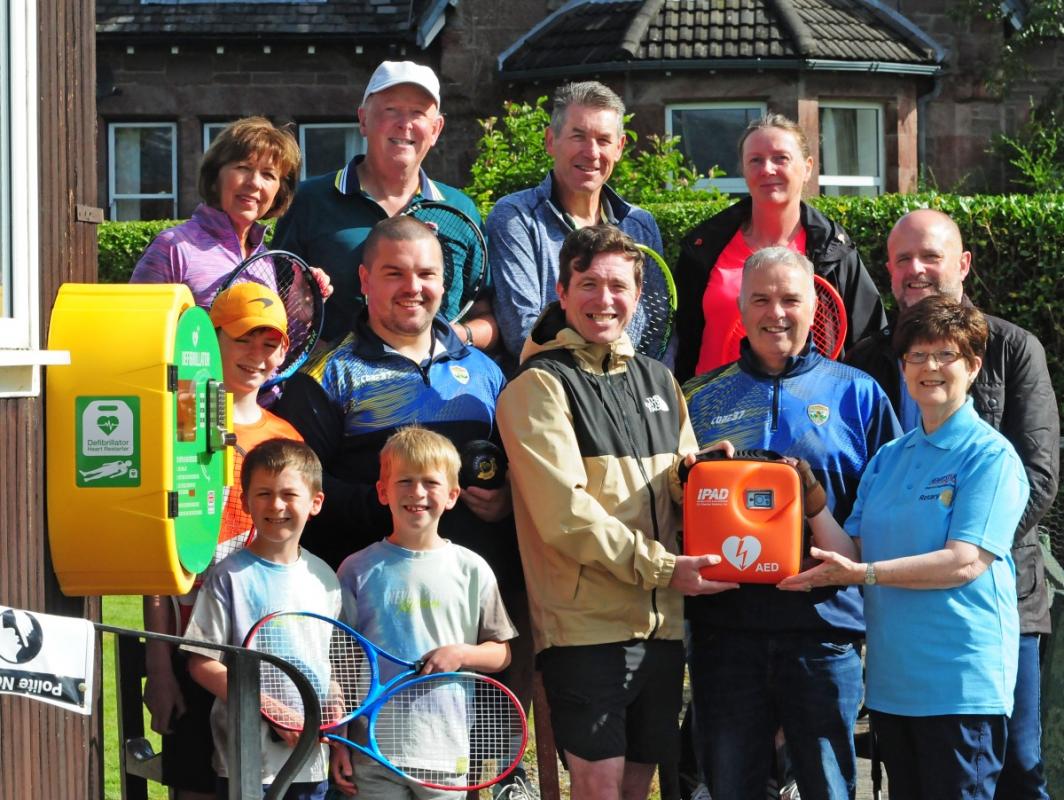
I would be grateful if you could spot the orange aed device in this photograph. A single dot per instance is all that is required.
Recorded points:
(747, 510)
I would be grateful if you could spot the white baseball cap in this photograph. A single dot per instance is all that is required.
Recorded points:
(392, 73)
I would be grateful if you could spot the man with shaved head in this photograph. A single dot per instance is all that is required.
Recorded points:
(1014, 394)
(761, 658)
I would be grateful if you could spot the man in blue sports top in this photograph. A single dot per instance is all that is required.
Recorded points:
(526, 229)
(760, 658)
(332, 214)
(400, 365)
(1014, 394)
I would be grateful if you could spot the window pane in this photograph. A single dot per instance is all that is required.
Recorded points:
(849, 191)
(143, 160)
(328, 148)
(126, 210)
(211, 131)
(849, 141)
(709, 135)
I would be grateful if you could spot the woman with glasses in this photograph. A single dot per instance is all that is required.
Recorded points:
(930, 537)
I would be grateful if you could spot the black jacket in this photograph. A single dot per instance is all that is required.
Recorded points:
(828, 246)
(1012, 392)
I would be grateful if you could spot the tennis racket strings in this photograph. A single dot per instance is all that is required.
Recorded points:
(465, 255)
(289, 276)
(334, 661)
(451, 730)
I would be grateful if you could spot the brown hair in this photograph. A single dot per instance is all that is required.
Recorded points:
(252, 137)
(395, 229)
(940, 318)
(776, 121)
(421, 449)
(275, 455)
(581, 246)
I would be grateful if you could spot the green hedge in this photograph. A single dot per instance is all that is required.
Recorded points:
(121, 244)
(1017, 242)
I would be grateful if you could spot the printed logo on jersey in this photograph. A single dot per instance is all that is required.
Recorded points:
(818, 413)
(724, 419)
(655, 403)
(941, 489)
(460, 373)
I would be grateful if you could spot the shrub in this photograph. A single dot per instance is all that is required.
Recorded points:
(121, 245)
(1017, 243)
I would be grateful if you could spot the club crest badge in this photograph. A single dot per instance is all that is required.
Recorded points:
(818, 413)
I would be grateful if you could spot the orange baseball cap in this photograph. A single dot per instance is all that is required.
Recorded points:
(246, 306)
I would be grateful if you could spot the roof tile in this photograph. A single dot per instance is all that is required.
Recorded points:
(844, 30)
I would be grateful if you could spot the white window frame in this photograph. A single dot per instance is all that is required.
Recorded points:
(207, 127)
(877, 181)
(112, 196)
(732, 184)
(311, 126)
(20, 356)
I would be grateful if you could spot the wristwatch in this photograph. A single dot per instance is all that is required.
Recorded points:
(870, 574)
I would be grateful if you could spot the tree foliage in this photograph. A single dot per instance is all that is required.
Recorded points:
(1041, 25)
(1036, 152)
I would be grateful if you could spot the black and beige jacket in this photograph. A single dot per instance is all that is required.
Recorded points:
(593, 433)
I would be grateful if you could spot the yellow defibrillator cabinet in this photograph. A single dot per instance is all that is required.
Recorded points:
(138, 442)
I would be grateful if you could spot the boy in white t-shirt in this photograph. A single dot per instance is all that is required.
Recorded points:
(281, 485)
(419, 596)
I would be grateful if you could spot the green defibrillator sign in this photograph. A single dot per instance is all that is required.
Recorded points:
(107, 443)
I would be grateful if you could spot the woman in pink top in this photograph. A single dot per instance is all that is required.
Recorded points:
(776, 163)
(248, 173)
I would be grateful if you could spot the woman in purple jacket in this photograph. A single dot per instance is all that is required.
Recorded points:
(248, 173)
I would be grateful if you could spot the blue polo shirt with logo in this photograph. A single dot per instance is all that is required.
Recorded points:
(832, 415)
(942, 651)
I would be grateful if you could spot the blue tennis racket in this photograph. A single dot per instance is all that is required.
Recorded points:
(454, 730)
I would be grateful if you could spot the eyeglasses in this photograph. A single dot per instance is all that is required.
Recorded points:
(941, 357)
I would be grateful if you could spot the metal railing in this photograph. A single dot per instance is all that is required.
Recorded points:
(137, 760)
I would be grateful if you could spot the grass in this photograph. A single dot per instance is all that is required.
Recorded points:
(123, 612)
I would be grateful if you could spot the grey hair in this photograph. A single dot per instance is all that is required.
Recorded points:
(771, 256)
(591, 94)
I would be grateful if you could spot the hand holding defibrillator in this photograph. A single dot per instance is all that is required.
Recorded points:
(748, 506)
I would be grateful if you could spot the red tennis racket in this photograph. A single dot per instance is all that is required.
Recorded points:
(828, 329)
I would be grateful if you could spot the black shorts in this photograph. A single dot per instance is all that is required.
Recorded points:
(617, 699)
(189, 747)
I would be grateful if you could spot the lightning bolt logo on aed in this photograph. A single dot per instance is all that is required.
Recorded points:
(740, 551)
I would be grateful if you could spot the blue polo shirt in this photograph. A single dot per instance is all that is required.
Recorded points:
(942, 651)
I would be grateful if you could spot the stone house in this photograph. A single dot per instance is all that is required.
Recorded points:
(890, 92)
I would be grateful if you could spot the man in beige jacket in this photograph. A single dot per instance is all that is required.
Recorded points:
(595, 434)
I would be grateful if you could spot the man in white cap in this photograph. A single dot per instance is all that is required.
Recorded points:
(332, 214)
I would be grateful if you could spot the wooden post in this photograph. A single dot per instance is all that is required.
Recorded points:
(546, 751)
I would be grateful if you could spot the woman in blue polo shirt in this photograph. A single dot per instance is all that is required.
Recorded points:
(931, 531)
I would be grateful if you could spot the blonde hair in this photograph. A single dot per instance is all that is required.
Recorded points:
(421, 449)
(776, 121)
